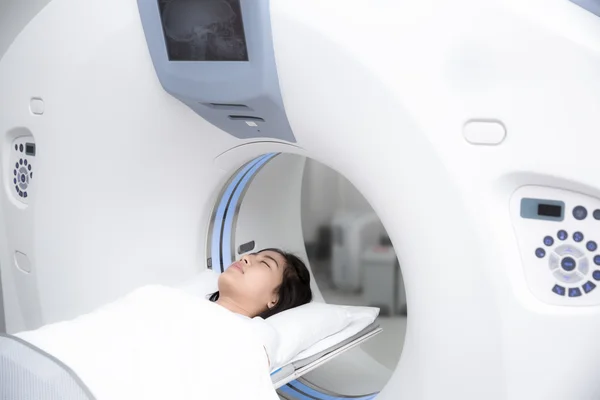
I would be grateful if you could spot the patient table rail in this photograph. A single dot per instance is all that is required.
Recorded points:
(27, 372)
(298, 368)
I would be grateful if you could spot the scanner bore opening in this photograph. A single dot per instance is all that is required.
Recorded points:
(323, 251)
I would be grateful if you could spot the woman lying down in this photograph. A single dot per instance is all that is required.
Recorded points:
(163, 343)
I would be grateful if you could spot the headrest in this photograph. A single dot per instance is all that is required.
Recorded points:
(301, 331)
(306, 330)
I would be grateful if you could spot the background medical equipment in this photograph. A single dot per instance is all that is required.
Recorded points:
(352, 234)
(384, 286)
(470, 126)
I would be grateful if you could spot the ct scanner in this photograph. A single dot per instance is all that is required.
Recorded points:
(133, 154)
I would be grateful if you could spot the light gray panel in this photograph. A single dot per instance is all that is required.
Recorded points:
(27, 372)
(592, 6)
(541, 209)
(236, 89)
(2, 317)
(14, 16)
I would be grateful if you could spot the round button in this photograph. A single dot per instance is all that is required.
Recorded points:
(596, 214)
(23, 178)
(21, 148)
(568, 264)
(540, 253)
(548, 241)
(578, 236)
(579, 212)
(562, 235)
(596, 275)
(591, 245)
(597, 260)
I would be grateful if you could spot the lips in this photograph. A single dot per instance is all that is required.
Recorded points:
(238, 266)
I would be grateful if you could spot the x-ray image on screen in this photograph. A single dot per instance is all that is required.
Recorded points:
(203, 30)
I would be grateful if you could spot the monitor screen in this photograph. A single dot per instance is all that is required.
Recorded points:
(203, 30)
(30, 149)
(549, 210)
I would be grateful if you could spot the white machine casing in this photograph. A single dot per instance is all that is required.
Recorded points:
(442, 114)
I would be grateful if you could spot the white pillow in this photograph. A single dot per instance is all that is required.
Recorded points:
(360, 318)
(301, 327)
(201, 285)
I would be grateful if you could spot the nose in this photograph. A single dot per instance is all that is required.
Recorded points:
(246, 259)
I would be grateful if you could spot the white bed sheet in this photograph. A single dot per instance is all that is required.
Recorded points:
(161, 343)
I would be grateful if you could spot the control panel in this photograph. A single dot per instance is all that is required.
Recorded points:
(21, 168)
(559, 235)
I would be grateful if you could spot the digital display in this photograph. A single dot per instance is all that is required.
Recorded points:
(30, 149)
(203, 30)
(549, 210)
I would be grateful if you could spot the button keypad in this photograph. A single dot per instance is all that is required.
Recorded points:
(571, 263)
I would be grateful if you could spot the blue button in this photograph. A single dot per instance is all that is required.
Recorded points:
(25, 162)
(17, 188)
(23, 178)
(578, 236)
(31, 174)
(17, 165)
(591, 245)
(24, 194)
(589, 286)
(596, 275)
(596, 214)
(579, 212)
(29, 167)
(548, 241)
(597, 260)
(568, 264)
(540, 253)
(559, 290)
(17, 147)
(562, 235)
(21, 161)
(20, 193)
(15, 172)
(21, 147)
(574, 292)
(15, 181)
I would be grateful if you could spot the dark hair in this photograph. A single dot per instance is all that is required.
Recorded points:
(295, 288)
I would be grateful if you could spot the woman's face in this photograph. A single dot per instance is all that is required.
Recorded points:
(251, 282)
